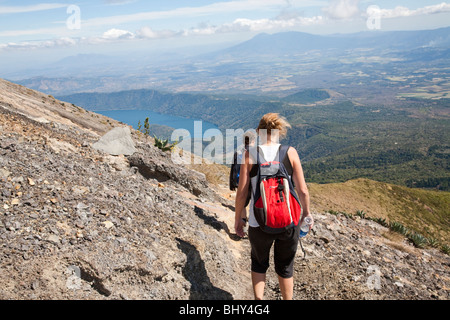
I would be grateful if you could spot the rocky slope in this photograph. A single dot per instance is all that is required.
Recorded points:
(78, 223)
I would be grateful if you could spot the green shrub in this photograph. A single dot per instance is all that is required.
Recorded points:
(398, 227)
(381, 221)
(433, 242)
(336, 213)
(146, 129)
(361, 214)
(418, 240)
(164, 144)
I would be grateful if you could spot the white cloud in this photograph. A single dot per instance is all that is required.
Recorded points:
(32, 8)
(30, 45)
(342, 9)
(238, 25)
(31, 32)
(400, 11)
(116, 34)
(148, 33)
(261, 25)
(108, 36)
(112, 35)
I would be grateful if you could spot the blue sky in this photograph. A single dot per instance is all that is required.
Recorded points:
(97, 25)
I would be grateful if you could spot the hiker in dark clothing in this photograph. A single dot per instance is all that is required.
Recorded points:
(249, 140)
(273, 127)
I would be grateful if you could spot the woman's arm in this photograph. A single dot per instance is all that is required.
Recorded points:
(241, 195)
(300, 183)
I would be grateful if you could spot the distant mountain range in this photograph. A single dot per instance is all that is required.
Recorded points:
(291, 43)
(263, 46)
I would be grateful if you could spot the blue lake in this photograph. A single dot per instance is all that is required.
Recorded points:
(132, 118)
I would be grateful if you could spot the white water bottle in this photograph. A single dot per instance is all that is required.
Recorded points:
(304, 228)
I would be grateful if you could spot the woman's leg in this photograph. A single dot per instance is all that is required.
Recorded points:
(284, 254)
(286, 287)
(261, 244)
(259, 282)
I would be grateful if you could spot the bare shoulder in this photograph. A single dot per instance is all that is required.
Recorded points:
(294, 158)
(292, 153)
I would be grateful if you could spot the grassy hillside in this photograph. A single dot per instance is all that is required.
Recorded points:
(424, 211)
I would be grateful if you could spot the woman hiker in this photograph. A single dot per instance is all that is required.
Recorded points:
(271, 128)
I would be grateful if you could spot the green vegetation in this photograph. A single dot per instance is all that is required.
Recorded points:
(398, 227)
(307, 96)
(344, 141)
(416, 239)
(146, 129)
(164, 144)
(361, 214)
(160, 143)
(438, 183)
(446, 249)
(407, 211)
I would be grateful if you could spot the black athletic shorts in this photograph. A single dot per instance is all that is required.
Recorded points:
(284, 250)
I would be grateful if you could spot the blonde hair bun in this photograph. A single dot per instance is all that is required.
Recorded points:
(273, 121)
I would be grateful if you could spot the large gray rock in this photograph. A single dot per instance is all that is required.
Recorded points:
(116, 142)
(155, 164)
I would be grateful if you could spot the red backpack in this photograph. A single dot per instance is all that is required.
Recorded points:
(276, 204)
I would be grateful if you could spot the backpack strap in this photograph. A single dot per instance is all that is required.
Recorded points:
(284, 158)
(282, 154)
(254, 153)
